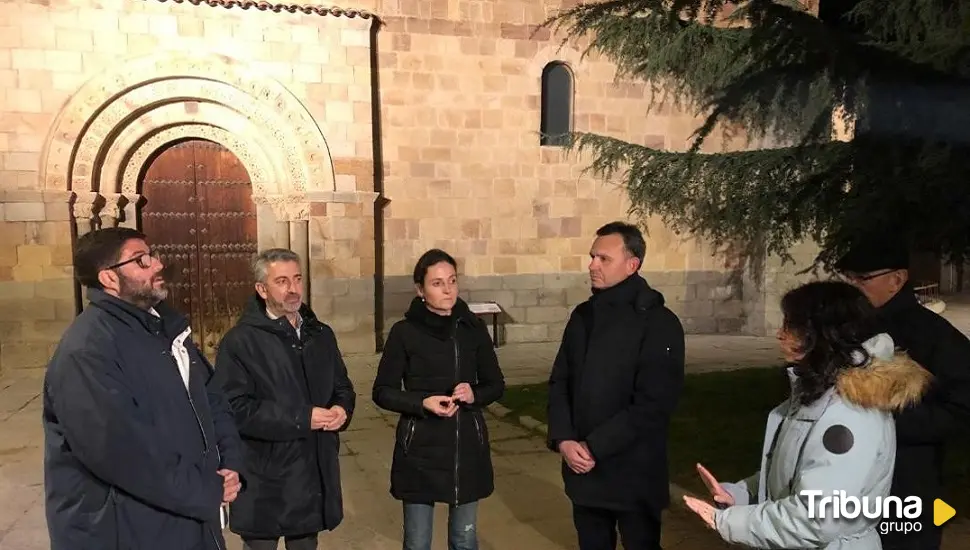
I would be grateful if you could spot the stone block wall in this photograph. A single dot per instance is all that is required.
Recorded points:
(762, 303)
(460, 93)
(89, 85)
(537, 306)
(91, 89)
(342, 262)
(36, 285)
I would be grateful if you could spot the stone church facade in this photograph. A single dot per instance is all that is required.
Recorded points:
(359, 137)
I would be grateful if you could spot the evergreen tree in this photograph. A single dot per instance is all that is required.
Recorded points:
(777, 70)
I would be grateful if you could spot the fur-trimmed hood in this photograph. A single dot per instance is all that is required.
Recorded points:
(890, 381)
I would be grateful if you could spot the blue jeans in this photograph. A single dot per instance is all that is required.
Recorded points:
(419, 525)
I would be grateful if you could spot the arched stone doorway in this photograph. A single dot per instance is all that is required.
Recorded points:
(101, 139)
(198, 212)
(99, 143)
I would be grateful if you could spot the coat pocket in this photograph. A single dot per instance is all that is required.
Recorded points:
(480, 429)
(406, 437)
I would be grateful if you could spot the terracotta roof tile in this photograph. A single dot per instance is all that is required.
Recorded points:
(277, 7)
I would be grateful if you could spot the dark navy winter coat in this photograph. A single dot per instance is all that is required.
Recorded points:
(131, 457)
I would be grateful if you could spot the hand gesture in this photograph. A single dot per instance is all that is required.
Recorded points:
(702, 509)
(577, 456)
(230, 485)
(718, 493)
(338, 416)
(441, 405)
(463, 393)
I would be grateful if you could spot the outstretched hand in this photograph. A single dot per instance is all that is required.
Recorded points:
(718, 493)
(703, 509)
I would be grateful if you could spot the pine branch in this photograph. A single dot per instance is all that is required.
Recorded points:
(778, 197)
(931, 32)
(778, 71)
(781, 77)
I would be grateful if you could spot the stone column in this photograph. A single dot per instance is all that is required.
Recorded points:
(129, 212)
(281, 232)
(272, 229)
(83, 211)
(298, 214)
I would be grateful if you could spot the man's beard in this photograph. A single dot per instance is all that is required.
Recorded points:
(281, 307)
(143, 295)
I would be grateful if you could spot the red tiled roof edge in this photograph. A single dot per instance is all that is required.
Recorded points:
(278, 7)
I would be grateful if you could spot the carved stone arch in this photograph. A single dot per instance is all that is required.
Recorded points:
(249, 154)
(104, 106)
(215, 99)
(571, 57)
(126, 155)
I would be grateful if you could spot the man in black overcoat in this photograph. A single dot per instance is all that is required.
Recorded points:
(287, 384)
(879, 267)
(614, 384)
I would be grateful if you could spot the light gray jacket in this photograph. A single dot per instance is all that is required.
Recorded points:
(844, 441)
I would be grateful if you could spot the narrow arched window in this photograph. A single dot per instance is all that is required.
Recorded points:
(556, 104)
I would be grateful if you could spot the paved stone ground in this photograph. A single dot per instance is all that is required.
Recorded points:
(530, 363)
(528, 509)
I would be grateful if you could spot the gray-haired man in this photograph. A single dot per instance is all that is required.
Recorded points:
(284, 376)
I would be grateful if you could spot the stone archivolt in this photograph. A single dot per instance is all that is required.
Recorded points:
(103, 136)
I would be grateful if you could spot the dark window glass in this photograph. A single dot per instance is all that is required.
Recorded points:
(557, 104)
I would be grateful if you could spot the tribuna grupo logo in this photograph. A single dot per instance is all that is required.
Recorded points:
(901, 514)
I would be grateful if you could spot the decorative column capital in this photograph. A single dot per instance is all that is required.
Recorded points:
(85, 205)
(110, 213)
(287, 207)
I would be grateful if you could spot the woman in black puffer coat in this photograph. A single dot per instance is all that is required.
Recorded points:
(439, 371)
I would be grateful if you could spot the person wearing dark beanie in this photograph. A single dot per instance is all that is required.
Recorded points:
(879, 267)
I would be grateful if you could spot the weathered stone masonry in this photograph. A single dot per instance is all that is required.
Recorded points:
(366, 144)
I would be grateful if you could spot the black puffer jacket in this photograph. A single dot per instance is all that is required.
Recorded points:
(439, 459)
(273, 378)
(614, 384)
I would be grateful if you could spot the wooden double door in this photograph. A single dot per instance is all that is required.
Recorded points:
(200, 217)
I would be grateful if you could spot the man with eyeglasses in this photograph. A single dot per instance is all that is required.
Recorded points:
(141, 451)
(879, 267)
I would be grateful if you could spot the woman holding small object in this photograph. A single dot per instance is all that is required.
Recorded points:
(439, 371)
(834, 435)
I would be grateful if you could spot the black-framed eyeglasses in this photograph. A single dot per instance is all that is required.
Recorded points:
(861, 278)
(144, 261)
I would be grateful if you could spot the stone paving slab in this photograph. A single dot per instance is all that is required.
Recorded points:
(531, 363)
(527, 511)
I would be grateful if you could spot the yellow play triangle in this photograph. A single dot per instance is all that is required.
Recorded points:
(942, 512)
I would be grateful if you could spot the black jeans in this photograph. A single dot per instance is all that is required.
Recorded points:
(306, 542)
(597, 528)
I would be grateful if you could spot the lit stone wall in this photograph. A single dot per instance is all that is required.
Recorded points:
(451, 88)
(460, 90)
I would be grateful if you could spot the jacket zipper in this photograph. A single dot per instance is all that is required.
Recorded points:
(774, 443)
(478, 428)
(205, 440)
(454, 340)
(205, 443)
(409, 436)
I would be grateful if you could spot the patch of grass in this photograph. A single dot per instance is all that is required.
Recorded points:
(720, 423)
